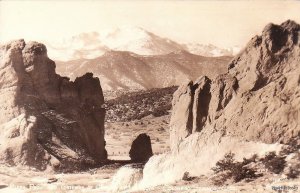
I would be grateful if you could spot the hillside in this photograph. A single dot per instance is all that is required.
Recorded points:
(126, 70)
(136, 105)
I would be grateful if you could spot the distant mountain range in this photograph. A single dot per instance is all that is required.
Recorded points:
(132, 39)
(133, 58)
(127, 70)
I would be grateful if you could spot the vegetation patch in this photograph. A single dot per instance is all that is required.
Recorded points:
(136, 105)
(230, 169)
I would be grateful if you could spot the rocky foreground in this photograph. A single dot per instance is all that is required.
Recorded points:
(238, 132)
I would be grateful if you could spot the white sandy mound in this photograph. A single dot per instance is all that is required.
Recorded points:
(125, 178)
(197, 156)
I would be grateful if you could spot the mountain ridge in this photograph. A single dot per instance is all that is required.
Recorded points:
(124, 70)
(134, 39)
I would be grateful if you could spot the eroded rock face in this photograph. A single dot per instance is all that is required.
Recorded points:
(141, 149)
(181, 124)
(258, 99)
(46, 119)
(189, 109)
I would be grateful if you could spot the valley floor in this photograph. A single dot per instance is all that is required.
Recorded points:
(120, 135)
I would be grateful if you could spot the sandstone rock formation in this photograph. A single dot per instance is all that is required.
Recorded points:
(257, 99)
(141, 149)
(47, 120)
(190, 108)
(250, 109)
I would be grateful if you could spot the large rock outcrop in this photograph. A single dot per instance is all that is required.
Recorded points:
(47, 120)
(253, 108)
(257, 99)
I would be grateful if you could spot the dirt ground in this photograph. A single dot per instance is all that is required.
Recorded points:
(119, 135)
(25, 180)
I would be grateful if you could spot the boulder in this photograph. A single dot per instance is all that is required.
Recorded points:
(141, 149)
(45, 116)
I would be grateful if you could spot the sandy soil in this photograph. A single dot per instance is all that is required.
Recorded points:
(21, 180)
(202, 185)
(25, 180)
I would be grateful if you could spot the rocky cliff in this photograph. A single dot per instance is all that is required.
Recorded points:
(47, 120)
(251, 109)
(257, 99)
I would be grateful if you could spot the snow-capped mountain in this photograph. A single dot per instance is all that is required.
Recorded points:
(133, 58)
(127, 70)
(139, 41)
(132, 39)
(94, 44)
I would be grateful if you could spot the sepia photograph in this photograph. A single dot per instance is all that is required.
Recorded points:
(149, 96)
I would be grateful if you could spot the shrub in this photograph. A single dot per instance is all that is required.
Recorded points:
(186, 177)
(274, 163)
(225, 164)
(228, 168)
(293, 146)
(293, 172)
(294, 167)
(250, 160)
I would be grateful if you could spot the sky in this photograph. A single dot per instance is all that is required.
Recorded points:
(222, 23)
